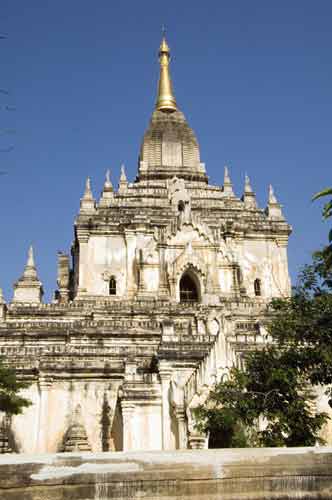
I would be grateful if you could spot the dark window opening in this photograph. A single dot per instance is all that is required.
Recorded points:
(188, 289)
(257, 288)
(181, 206)
(112, 286)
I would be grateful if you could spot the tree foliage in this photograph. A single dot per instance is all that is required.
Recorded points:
(272, 402)
(11, 402)
(325, 255)
(273, 392)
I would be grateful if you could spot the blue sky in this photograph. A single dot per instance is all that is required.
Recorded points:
(253, 79)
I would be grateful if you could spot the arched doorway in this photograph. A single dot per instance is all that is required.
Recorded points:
(112, 286)
(188, 289)
(258, 287)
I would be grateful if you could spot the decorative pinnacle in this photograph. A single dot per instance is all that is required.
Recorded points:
(88, 193)
(2, 299)
(249, 197)
(272, 197)
(30, 271)
(227, 179)
(165, 98)
(107, 192)
(87, 204)
(123, 177)
(247, 185)
(31, 259)
(108, 183)
(228, 187)
(123, 183)
(273, 209)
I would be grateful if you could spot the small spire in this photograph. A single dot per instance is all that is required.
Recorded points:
(28, 288)
(30, 270)
(247, 185)
(88, 201)
(123, 183)
(165, 99)
(107, 193)
(31, 258)
(228, 186)
(108, 183)
(88, 193)
(123, 176)
(272, 196)
(273, 209)
(2, 299)
(249, 197)
(227, 179)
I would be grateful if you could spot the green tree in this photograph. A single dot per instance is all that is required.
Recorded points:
(277, 386)
(11, 402)
(274, 389)
(324, 257)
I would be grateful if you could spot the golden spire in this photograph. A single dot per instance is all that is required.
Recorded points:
(165, 99)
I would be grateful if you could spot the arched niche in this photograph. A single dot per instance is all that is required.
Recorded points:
(189, 288)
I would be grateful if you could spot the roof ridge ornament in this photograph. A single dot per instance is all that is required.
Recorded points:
(165, 99)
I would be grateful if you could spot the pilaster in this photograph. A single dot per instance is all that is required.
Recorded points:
(83, 239)
(182, 428)
(45, 384)
(128, 410)
(130, 239)
(165, 372)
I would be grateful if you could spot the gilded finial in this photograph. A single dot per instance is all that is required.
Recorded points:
(165, 99)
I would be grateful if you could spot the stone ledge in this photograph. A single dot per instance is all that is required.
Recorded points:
(246, 474)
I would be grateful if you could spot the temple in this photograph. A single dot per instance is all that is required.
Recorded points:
(165, 289)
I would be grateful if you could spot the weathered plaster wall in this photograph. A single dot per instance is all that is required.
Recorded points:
(267, 261)
(146, 428)
(106, 256)
(42, 426)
